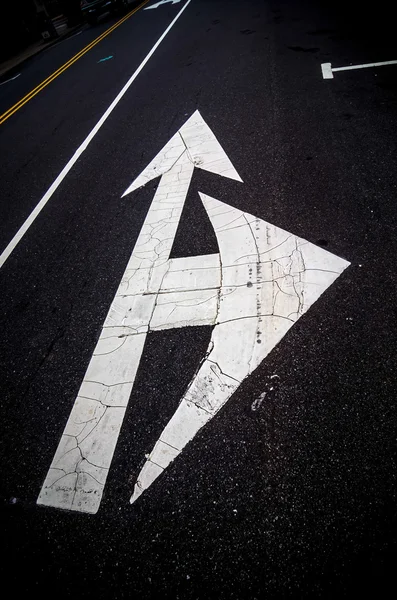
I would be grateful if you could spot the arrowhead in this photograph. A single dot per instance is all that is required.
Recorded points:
(269, 279)
(195, 139)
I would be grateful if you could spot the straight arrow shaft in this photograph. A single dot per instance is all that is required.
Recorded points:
(79, 470)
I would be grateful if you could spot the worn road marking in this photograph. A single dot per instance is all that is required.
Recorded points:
(272, 384)
(161, 2)
(269, 279)
(54, 186)
(155, 293)
(258, 401)
(258, 285)
(8, 113)
(328, 70)
(11, 79)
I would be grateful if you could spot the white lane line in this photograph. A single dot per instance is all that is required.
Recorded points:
(328, 70)
(54, 186)
(12, 79)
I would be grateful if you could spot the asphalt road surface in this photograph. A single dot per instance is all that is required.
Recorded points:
(289, 490)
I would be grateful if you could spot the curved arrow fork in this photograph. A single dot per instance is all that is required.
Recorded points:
(269, 279)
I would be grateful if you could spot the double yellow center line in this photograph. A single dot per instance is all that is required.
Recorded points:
(65, 66)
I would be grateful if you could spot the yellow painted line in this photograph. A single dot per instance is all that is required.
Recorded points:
(8, 113)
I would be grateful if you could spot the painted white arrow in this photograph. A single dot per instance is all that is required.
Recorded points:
(160, 3)
(269, 279)
(155, 293)
(261, 281)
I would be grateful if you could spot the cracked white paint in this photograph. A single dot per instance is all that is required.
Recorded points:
(269, 278)
(155, 293)
(261, 281)
(197, 144)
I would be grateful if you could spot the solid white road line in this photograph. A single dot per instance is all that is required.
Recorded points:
(21, 232)
(328, 70)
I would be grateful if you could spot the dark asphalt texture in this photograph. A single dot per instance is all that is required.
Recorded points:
(298, 498)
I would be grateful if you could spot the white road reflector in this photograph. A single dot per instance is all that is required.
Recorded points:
(258, 285)
(328, 70)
